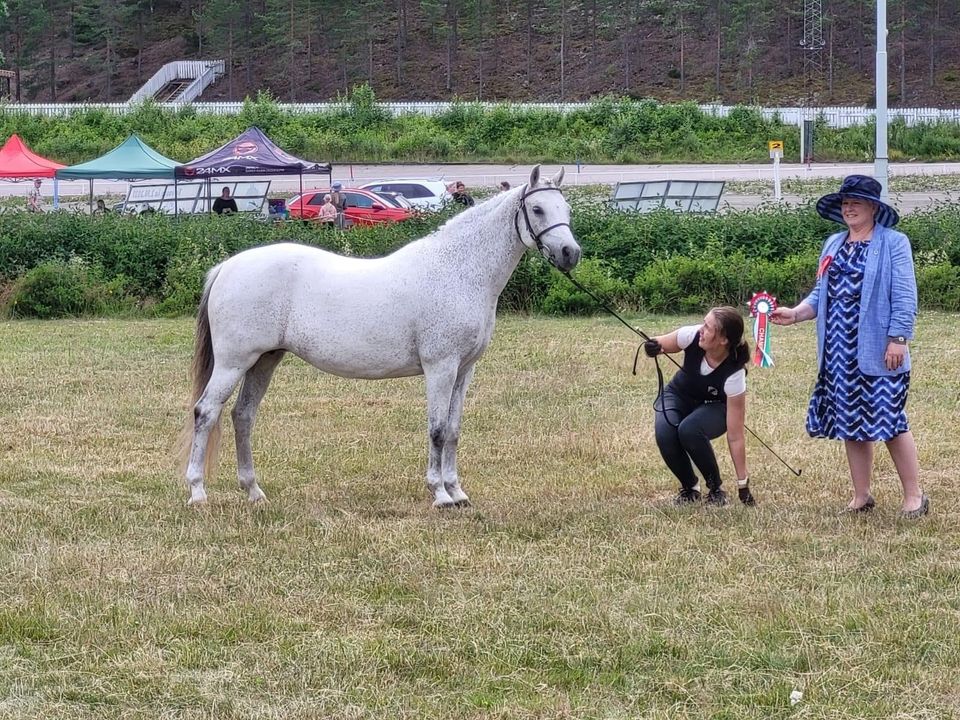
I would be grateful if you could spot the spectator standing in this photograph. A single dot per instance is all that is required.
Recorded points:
(460, 195)
(328, 212)
(34, 197)
(339, 200)
(225, 203)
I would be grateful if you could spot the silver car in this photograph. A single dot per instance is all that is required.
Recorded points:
(423, 194)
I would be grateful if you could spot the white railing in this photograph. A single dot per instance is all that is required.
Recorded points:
(838, 117)
(202, 72)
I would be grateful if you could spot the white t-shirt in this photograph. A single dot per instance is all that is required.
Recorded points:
(734, 385)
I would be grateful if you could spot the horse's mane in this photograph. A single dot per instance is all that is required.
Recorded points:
(459, 224)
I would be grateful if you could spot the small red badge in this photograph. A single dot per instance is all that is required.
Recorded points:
(824, 264)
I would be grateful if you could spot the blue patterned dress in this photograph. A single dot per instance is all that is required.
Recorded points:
(846, 404)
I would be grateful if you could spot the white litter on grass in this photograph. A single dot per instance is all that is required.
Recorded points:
(795, 697)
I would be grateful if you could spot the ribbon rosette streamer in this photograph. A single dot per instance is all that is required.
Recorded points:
(761, 305)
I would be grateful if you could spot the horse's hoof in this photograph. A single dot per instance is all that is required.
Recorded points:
(444, 504)
(257, 496)
(465, 503)
(197, 502)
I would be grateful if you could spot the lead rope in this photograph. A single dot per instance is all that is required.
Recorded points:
(662, 409)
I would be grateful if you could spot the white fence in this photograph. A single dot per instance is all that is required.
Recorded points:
(833, 116)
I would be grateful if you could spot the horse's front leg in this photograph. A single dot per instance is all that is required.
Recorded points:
(451, 481)
(440, 379)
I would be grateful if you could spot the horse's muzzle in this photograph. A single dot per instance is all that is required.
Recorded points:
(568, 257)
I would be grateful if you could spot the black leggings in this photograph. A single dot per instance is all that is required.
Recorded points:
(697, 424)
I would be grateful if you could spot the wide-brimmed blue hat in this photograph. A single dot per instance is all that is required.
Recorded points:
(857, 186)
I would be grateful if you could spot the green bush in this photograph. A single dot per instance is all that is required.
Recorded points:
(938, 287)
(69, 288)
(599, 276)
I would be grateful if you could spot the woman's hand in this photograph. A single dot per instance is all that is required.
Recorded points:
(784, 316)
(894, 356)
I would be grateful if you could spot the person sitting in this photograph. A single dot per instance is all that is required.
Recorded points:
(328, 212)
(101, 208)
(504, 186)
(224, 203)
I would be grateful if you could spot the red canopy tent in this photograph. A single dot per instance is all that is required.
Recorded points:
(17, 161)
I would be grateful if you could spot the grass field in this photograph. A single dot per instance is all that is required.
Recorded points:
(572, 588)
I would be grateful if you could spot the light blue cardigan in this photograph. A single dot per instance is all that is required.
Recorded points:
(888, 300)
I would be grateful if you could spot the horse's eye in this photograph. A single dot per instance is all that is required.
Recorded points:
(537, 210)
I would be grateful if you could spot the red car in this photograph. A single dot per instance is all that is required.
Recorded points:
(364, 207)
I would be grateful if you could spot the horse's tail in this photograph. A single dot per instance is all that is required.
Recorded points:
(201, 371)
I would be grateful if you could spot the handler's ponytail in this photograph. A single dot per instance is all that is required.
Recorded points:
(731, 325)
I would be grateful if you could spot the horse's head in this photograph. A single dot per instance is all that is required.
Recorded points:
(543, 221)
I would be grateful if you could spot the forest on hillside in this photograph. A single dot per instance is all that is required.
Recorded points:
(743, 51)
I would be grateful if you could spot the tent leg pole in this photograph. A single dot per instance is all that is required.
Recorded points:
(56, 193)
(91, 196)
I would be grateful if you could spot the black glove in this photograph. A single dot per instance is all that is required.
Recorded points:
(652, 348)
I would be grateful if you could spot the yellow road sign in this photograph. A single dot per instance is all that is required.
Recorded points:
(775, 145)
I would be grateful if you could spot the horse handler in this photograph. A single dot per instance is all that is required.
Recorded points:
(705, 399)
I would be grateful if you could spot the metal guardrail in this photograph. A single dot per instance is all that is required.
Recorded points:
(838, 117)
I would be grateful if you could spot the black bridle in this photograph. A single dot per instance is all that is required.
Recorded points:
(526, 218)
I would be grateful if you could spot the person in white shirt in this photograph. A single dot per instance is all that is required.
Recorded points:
(705, 399)
(328, 211)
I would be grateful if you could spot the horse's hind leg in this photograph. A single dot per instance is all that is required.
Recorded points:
(451, 481)
(244, 415)
(206, 419)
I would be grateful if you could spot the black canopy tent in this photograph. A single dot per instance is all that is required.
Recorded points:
(250, 153)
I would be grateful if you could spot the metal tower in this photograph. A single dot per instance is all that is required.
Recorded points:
(812, 42)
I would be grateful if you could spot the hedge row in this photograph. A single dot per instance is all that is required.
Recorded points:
(610, 129)
(63, 264)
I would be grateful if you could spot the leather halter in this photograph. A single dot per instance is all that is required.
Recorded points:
(526, 218)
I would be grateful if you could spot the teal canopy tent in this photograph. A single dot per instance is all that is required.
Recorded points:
(133, 159)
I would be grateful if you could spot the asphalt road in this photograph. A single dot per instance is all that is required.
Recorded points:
(492, 175)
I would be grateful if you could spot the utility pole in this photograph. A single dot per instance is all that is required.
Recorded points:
(880, 156)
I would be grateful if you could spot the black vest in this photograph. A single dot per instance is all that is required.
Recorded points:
(702, 388)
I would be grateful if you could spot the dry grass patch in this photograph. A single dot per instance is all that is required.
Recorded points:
(572, 588)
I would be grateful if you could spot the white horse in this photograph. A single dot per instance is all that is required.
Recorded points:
(428, 308)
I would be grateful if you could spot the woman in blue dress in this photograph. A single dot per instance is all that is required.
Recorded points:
(865, 305)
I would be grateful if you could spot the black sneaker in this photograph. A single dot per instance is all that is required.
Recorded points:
(746, 497)
(717, 497)
(687, 496)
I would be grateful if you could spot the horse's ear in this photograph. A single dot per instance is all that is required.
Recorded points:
(534, 176)
(558, 178)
